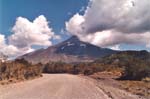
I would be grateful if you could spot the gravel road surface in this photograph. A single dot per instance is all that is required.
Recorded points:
(55, 86)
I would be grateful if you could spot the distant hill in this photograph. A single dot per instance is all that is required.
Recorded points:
(125, 56)
(71, 50)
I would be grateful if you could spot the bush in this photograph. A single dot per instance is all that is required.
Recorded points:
(137, 70)
(80, 68)
(19, 70)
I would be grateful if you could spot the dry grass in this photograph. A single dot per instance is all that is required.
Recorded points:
(13, 80)
(141, 88)
(19, 70)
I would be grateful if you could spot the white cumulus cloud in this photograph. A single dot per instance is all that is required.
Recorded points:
(25, 35)
(6, 49)
(28, 33)
(107, 23)
(74, 24)
(2, 39)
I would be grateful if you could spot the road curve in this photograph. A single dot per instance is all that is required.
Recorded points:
(53, 86)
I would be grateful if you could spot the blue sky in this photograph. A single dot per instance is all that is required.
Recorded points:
(56, 11)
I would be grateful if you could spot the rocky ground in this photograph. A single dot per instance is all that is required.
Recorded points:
(107, 81)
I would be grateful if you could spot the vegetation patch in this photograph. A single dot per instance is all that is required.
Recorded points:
(19, 70)
(141, 88)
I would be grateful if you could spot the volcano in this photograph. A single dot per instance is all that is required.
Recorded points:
(69, 51)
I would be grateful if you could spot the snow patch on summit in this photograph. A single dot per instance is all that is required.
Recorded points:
(70, 44)
(83, 45)
(62, 47)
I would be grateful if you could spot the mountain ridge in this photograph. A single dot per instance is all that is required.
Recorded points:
(70, 50)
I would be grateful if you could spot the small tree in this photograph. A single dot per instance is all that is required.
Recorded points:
(136, 70)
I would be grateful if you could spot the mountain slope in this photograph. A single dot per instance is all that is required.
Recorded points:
(71, 50)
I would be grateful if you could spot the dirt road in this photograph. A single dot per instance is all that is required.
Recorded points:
(55, 86)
